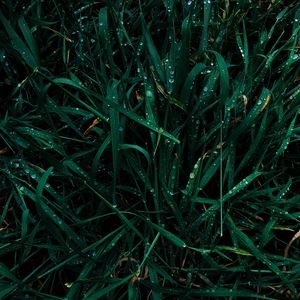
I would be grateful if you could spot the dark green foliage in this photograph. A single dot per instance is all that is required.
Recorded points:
(149, 149)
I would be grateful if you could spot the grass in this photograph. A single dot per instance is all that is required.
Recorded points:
(149, 149)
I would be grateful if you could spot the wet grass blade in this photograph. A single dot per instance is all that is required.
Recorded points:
(19, 44)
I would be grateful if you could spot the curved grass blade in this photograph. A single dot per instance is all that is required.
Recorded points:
(224, 76)
(155, 58)
(183, 61)
(137, 148)
(29, 38)
(252, 115)
(189, 82)
(287, 138)
(284, 190)
(242, 185)
(267, 235)
(18, 43)
(99, 153)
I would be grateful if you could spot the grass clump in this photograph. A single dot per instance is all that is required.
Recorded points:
(149, 149)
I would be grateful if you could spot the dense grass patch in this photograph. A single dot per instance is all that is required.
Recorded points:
(149, 149)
